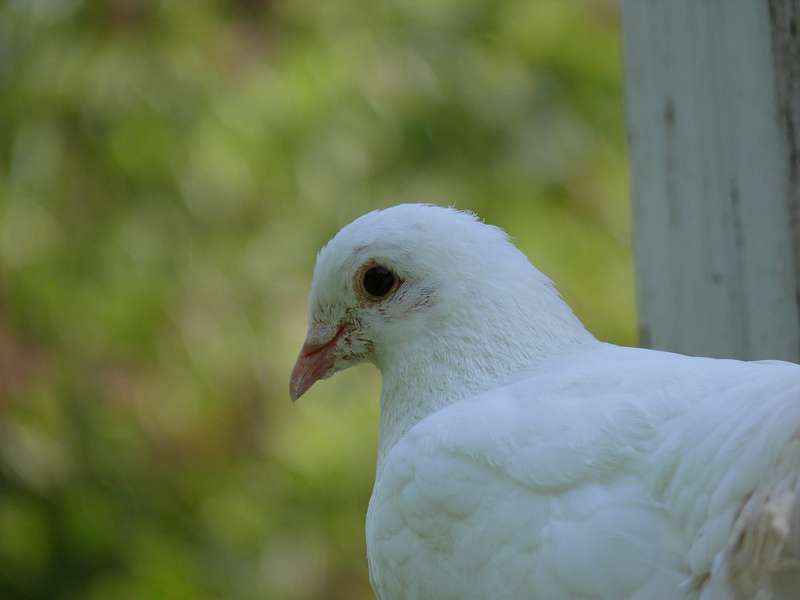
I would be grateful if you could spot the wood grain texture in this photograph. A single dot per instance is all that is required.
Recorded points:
(713, 108)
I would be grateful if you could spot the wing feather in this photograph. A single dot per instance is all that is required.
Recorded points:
(608, 480)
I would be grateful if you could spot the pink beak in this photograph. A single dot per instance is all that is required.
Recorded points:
(317, 358)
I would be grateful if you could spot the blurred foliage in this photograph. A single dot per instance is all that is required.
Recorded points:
(168, 171)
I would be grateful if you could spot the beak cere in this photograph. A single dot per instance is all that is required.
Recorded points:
(317, 358)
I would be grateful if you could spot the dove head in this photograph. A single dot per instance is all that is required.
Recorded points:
(443, 304)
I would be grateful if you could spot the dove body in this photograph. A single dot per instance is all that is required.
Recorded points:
(520, 458)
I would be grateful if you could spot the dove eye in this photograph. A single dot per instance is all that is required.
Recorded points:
(378, 281)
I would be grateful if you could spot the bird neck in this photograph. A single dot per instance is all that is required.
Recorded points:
(434, 370)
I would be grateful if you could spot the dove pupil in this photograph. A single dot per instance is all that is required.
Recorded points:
(378, 281)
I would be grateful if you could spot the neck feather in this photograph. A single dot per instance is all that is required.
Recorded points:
(437, 368)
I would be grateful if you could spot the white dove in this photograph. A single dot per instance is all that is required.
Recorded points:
(521, 458)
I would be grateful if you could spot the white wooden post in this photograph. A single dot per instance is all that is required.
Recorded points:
(713, 118)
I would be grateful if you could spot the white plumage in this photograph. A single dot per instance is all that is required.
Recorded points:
(520, 458)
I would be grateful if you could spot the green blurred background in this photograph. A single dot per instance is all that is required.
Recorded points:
(168, 171)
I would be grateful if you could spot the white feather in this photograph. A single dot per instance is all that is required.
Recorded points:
(521, 458)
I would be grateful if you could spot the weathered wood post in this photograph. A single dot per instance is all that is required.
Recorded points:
(713, 118)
